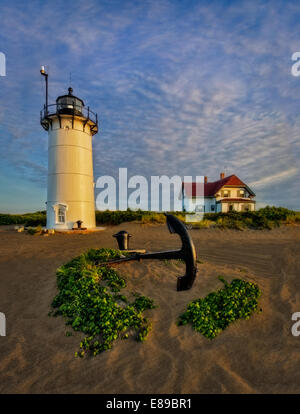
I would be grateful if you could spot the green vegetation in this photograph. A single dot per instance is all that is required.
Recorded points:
(204, 224)
(212, 314)
(90, 300)
(265, 218)
(28, 219)
(144, 217)
(142, 303)
(32, 231)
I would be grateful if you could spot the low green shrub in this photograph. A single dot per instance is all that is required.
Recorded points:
(142, 302)
(293, 218)
(212, 314)
(32, 230)
(28, 219)
(204, 224)
(155, 218)
(89, 298)
(144, 217)
(264, 218)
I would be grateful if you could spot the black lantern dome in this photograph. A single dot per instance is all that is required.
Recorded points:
(69, 104)
(72, 106)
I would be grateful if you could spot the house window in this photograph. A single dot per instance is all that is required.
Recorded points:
(212, 208)
(242, 193)
(199, 208)
(230, 207)
(226, 193)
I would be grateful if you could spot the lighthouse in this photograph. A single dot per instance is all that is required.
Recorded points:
(70, 191)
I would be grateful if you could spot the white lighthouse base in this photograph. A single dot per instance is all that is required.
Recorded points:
(80, 231)
(64, 216)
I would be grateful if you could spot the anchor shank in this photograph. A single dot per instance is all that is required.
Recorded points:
(187, 253)
(166, 255)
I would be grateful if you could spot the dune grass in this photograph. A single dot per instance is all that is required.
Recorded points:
(28, 219)
(264, 218)
(144, 217)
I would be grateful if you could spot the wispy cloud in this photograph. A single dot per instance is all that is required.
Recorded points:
(188, 88)
(276, 178)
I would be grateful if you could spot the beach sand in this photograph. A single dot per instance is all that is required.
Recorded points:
(259, 355)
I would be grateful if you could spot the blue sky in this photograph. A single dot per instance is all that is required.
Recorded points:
(180, 87)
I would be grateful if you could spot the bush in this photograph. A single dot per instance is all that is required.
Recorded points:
(212, 314)
(264, 218)
(204, 224)
(275, 213)
(293, 218)
(144, 217)
(35, 219)
(28, 219)
(32, 230)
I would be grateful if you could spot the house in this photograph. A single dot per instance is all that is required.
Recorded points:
(227, 194)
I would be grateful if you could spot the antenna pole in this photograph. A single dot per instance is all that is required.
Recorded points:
(43, 73)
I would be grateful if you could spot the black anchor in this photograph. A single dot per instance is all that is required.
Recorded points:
(186, 253)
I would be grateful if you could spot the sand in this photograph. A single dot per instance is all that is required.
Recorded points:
(259, 355)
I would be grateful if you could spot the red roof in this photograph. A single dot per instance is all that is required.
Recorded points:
(210, 189)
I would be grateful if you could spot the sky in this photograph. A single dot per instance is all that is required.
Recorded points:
(180, 87)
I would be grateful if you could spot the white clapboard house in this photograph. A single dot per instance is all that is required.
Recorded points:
(227, 194)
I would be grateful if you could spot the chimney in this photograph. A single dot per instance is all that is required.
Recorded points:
(222, 175)
(205, 179)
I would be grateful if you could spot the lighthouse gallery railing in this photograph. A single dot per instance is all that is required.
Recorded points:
(69, 109)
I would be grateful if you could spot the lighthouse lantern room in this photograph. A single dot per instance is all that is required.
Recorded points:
(70, 191)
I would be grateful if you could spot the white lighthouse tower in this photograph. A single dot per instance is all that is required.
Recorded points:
(70, 192)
